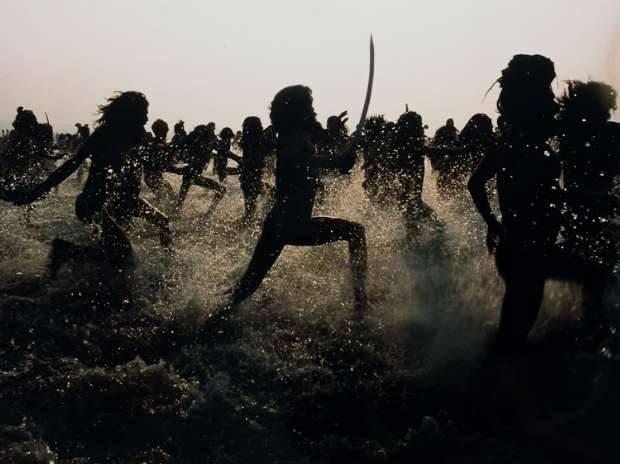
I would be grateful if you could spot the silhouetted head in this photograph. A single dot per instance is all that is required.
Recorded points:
(336, 127)
(125, 112)
(479, 129)
(450, 122)
(526, 100)
(410, 128)
(160, 128)
(251, 132)
(374, 129)
(25, 121)
(252, 126)
(291, 110)
(226, 133)
(179, 128)
(587, 104)
(200, 137)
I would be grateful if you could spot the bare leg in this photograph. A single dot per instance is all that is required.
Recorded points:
(185, 185)
(267, 250)
(524, 275)
(249, 203)
(321, 230)
(210, 184)
(152, 215)
(115, 242)
(162, 189)
(520, 308)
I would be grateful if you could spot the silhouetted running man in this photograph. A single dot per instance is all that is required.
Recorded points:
(25, 159)
(410, 149)
(157, 159)
(444, 159)
(255, 149)
(200, 144)
(110, 196)
(380, 165)
(220, 160)
(527, 172)
(290, 222)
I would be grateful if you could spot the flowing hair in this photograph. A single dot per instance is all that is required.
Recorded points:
(526, 100)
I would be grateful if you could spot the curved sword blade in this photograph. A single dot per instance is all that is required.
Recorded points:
(371, 76)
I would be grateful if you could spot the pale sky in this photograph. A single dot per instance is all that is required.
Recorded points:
(207, 60)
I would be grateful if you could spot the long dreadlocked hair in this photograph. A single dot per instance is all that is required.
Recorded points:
(526, 101)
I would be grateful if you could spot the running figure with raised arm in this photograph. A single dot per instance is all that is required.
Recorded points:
(290, 222)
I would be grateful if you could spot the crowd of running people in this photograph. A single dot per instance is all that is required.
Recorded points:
(552, 159)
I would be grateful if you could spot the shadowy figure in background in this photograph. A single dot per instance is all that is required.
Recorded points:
(82, 134)
(110, 197)
(290, 222)
(527, 172)
(331, 142)
(380, 160)
(590, 149)
(410, 149)
(220, 160)
(475, 138)
(457, 164)
(180, 135)
(25, 159)
(255, 148)
(157, 159)
(446, 136)
(178, 143)
(336, 138)
(445, 158)
(200, 144)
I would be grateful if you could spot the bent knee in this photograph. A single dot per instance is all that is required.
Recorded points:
(358, 230)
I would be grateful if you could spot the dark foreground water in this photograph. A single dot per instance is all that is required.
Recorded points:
(292, 376)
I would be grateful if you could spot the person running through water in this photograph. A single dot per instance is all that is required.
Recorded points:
(590, 148)
(410, 149)
(255, 148)
(111, 194)
(157, 160)
(26, 157)
(220, 160)
(200, 144)
(290, 221)
(527, 172)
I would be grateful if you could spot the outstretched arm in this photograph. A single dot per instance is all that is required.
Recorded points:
(344, 159)
(65, 170)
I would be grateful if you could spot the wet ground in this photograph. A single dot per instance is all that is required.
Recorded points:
(293, 375)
